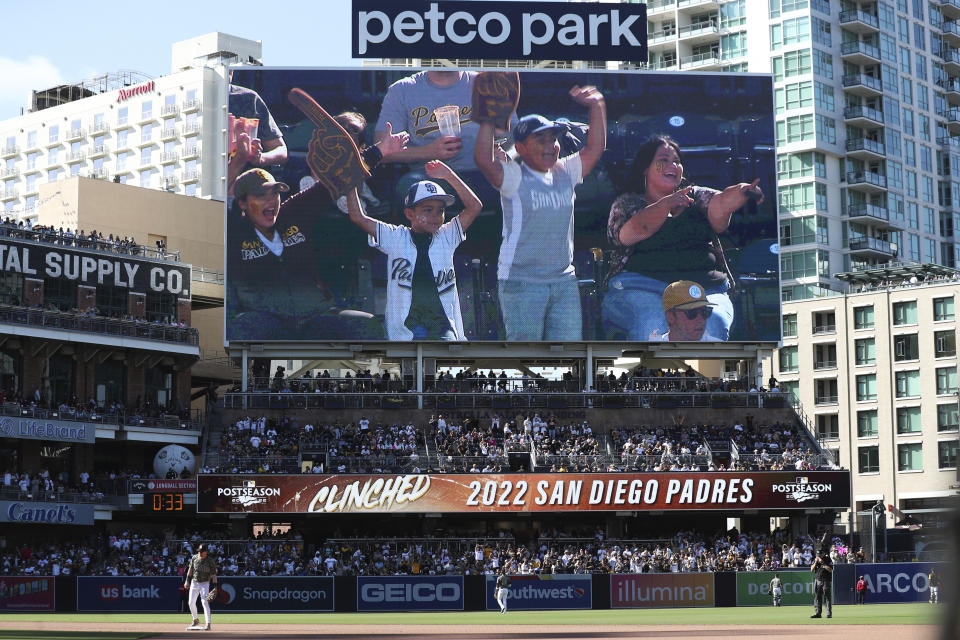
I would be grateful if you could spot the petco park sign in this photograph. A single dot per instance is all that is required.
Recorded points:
(520, 492)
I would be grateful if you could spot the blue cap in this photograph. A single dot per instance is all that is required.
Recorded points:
(533, 123)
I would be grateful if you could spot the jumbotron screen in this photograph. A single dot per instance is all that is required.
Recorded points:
(603, 206)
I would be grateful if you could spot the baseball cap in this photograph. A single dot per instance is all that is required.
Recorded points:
(684, 294)
(202, 548)
(256, 182)
(424, 190)
(533, 123)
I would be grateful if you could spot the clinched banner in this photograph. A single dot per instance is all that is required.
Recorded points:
(521, 492)
(529, 593)
(314, 593)
(27, 594)
(410, 593)
(661, 590)
(753, 588)
(125, 593)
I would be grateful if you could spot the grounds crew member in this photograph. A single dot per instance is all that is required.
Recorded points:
(201, 571)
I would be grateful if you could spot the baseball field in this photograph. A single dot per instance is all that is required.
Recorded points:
(902, 621)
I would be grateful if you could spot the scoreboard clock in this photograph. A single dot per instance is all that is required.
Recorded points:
(165, 502)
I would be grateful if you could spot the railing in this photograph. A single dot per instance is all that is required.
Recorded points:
(650, 462)
(243, 548)
(700, 60)
(852, 80)
(868, 177)
(49, 236)
(15, 493)
(951, 27)
(709, 26)
(254, 464)
(70, 414)
(202, 274)
(822, 400)
(463, 464)
(822, 329)
(865, 144)
(389, 463)
(824, 364)
(860, 111)
(868, 210)
(859, 16)
(849, 48)
(656, 5)
(493, 401)
(871, 244)
(951, 115)
(756, 461)
(65, 321)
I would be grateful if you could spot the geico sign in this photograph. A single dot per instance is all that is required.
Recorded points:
(899, 582)
(420, 592)
(788, 587)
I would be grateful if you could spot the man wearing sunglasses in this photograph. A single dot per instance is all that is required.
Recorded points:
(686, 308)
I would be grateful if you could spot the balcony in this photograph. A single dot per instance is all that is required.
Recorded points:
(863, 117)
(12, 172)
(951, 60)
(821, 365)
(100, 174)
(124, 123)
(698, 6)
(75, 134)
(952, 116)
(872, 247)
(171, 182)
(191, 152)
(659, 6)
(147, 118)
(865, 149)
(9, 194)
(867, 181)
(950, 9)
(859, 22)
(54, 162)
(701, 61)
(824, 400)
(699, 33)
(168, 133)
(191, 176)
(54, 142)
(123, 145)
(169, 157)
(98, 151)
(194, 105)
(870, 214)
(76, 156)
(860, 53)
(861, 84)
(951, 32)
(662, 39)
(99, 127)
(191, 129)
(663, 65)
(951, 90)
(146, 142)
(169, 111)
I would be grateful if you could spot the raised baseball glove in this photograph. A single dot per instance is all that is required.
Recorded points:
(495, 96)
(332, 155)
(211, 595)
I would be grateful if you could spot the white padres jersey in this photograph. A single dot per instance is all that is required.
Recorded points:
(397, 243)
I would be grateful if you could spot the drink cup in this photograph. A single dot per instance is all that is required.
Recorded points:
(448, 120)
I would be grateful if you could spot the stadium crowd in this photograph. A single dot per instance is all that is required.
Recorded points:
(138, 553)
(77, 238)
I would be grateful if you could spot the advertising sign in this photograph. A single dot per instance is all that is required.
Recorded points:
(660, 590)
(888, 582)
(753, 588)
(490, 29)
(314, 593)
(143, 485)
(94, 269)
(26, 512)
(26, 594)
(410, 593)
(521, 492)
(303, 268)
(124, 593)
(533, 592)
(46, 429)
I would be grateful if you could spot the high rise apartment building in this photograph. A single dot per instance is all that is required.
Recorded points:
(161, 133)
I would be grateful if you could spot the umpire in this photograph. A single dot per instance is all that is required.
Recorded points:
(823, 585)
(201, 571)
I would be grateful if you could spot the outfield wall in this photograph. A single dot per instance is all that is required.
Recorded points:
(886, 583)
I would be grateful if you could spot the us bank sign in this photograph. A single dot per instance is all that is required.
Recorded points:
(46, 429)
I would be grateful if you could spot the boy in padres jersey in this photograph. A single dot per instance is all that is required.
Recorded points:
(537, 284)
(422, 298)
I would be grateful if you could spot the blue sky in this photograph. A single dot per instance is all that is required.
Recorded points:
(48, 42)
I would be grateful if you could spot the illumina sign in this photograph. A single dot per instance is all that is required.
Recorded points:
(520, 492)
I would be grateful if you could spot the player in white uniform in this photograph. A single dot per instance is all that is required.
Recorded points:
(422, 298)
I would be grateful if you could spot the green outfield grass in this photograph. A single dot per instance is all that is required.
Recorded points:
(880, 614)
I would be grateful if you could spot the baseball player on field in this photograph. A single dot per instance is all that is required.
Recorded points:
(502, 591)
(201, 571)
(422, 298)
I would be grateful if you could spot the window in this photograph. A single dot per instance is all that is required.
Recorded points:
(794, 198)
(908, 420)
(146, 133)
(789, 32)
(801, 264)
(907, 384)
(825, 356)
(947, 454)
(866, 387)
(825, 391)
(905, 313)
(824, 322)
(868, 459)
(54, 132)
(32, 140)
(910, 457)
(790, 325)
(944, 344)
(906, 347)
(826, 129)
(942, 309)
(146, 109)
(948, 417)
(789, 360)
(797, 95)
(803, 230)
(821, 32)
(122, 115)
(866, 351)
(792, 63)
(824, 96)
(795, 129)
(946, 381)
(828, 426)
(146, 177)
(823, 64)
(146, 155)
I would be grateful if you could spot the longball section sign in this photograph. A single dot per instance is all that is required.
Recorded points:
(521, 492)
